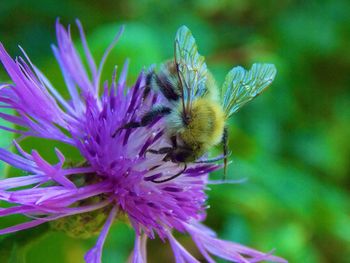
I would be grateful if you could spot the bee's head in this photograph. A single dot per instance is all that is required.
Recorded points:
(178, 155)
(167, 158)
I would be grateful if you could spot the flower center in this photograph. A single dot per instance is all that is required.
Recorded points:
(88, 224)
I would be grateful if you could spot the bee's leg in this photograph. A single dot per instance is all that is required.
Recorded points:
(213, 160)
(171, 177)
(173, 141)
(225, 146)
(148, 118)
(163, 150)
(146, 92)
(154, 167)
(166, 87)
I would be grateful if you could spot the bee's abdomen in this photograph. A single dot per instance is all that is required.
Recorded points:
(206, 125)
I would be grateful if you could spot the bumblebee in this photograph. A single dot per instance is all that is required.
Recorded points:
(196, 114)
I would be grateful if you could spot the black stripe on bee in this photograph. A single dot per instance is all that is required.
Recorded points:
(166, 87)
(147, 89)
(149, 77)
(149, 117)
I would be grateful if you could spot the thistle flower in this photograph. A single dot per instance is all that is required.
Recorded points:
(116, 176)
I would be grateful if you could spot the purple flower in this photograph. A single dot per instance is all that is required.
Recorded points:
(116, 177)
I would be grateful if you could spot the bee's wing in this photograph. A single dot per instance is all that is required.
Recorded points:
(191, 67)
(241, 86)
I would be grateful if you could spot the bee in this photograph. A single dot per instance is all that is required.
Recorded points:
(196, 114)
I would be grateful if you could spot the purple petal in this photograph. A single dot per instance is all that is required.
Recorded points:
(55, 173)
(94, 255)
(14, 119)
(139, 253)
(77, 102)
(153, 177)
(21, 181)
(38, 221)
(88, 54)
(23, 226)
(122, 77)
(180, 253)
(54, 92)
(21, 151)
(227, 250)
(28, 94)
(17, 161)
(15, 131)
(105, 55)
(71, 59)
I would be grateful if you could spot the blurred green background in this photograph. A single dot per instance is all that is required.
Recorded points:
(292, 143)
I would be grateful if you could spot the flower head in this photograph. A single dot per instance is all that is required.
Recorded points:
(116, 175)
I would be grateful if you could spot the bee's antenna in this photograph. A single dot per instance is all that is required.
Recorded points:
(215, 159)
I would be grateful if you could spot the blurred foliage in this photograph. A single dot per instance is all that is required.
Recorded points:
(292, 143)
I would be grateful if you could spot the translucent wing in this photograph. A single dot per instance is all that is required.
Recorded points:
(241, 86)
(191, 67)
